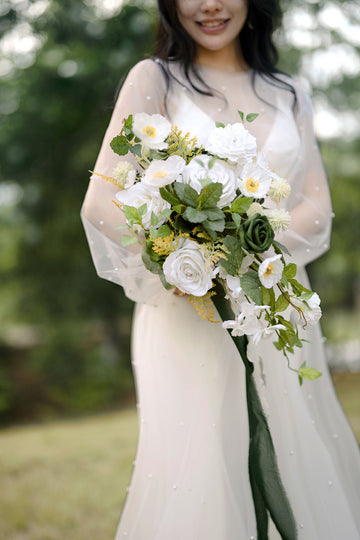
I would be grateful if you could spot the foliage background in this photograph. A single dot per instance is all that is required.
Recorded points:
(64, 333)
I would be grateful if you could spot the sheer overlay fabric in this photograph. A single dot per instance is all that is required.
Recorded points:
(190, 479)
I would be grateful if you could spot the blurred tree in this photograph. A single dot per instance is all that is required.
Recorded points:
(61, 62)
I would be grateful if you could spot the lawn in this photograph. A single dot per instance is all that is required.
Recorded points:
(67, 480)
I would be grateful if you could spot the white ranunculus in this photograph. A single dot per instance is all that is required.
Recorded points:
(125, 174)
(188, 269)
(198, 173)
(254, 180)
(233, 142)
(151, 129)
(140, 194)
(163, 172)
(311, 312)
(270, 271)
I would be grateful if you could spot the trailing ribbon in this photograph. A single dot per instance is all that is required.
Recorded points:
(268, 492)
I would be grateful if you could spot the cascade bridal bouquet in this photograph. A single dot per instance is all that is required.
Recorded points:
(202, 216)
(206, 218)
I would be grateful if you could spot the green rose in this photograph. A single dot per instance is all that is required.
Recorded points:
(256, 234)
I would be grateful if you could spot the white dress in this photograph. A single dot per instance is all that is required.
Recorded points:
(190, 480)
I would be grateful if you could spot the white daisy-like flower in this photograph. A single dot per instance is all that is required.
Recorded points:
(279, 219)
(151, 129)
(232, 142)
(125, 174)
(197, 173)
(254, 180)
(279, 189)
(163, 172)
(140, 194)
(247, 322)
(270, 271)
(311, 312)
(255, 208)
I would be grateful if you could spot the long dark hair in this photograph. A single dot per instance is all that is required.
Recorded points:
(255, 40)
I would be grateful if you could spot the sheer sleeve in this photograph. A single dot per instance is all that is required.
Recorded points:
(308, 236)
(142, 91)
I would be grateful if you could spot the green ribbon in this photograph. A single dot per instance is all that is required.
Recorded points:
(268, 492)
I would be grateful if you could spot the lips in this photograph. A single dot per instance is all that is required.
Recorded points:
(214, 23)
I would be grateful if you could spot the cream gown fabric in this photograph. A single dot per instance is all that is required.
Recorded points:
(190, 480)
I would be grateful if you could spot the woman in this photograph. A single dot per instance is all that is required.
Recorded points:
(215, 57)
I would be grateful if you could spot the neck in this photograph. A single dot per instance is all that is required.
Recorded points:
(229, 58)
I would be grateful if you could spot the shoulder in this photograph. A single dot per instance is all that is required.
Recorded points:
(149, 68)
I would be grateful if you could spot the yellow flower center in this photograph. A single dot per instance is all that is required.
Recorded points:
(150, 131)
(160, 174)
(269, 270)
(251, 184)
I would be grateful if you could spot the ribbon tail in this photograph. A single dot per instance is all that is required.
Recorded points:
(269, 495)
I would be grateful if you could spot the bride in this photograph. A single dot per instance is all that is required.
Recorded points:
(191, 480)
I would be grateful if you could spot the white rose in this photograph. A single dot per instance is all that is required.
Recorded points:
(163, 172)
(140, 194)
(233, 142)
(151, 129)
(255, 180)
(188, 269)
(197, 174)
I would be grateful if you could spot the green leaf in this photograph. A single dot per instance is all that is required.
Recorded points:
(131, 213)
(210, 195)
(186, 194)
(219, 124)
(251, 117)
(251, 286)
(215, 224)
(142, 209)
(241, 114)
(136, 149)
(128, 240)
(234, 257)
(178, 208)
(241, 204)
(281, 303)
(169, 197)
(280, 248)
(163, 231)
(214, 213)
(128, 128)
(212, 161)
(150, 264)
(237, 219)
(309, 373)
(201, 163)
(154, 219)
(120, 145)
(268, 297)
(194, 216)
(290, 270)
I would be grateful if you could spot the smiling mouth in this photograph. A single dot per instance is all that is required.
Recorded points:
(212, 24)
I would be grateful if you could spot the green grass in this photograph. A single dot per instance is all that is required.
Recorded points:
(67, 480)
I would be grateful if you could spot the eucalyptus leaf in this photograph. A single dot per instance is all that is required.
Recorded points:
(120, 145)
(215, 224)
(237, 219)
(280, 248)
(169, 196)
(219, 125)
(136, 149)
